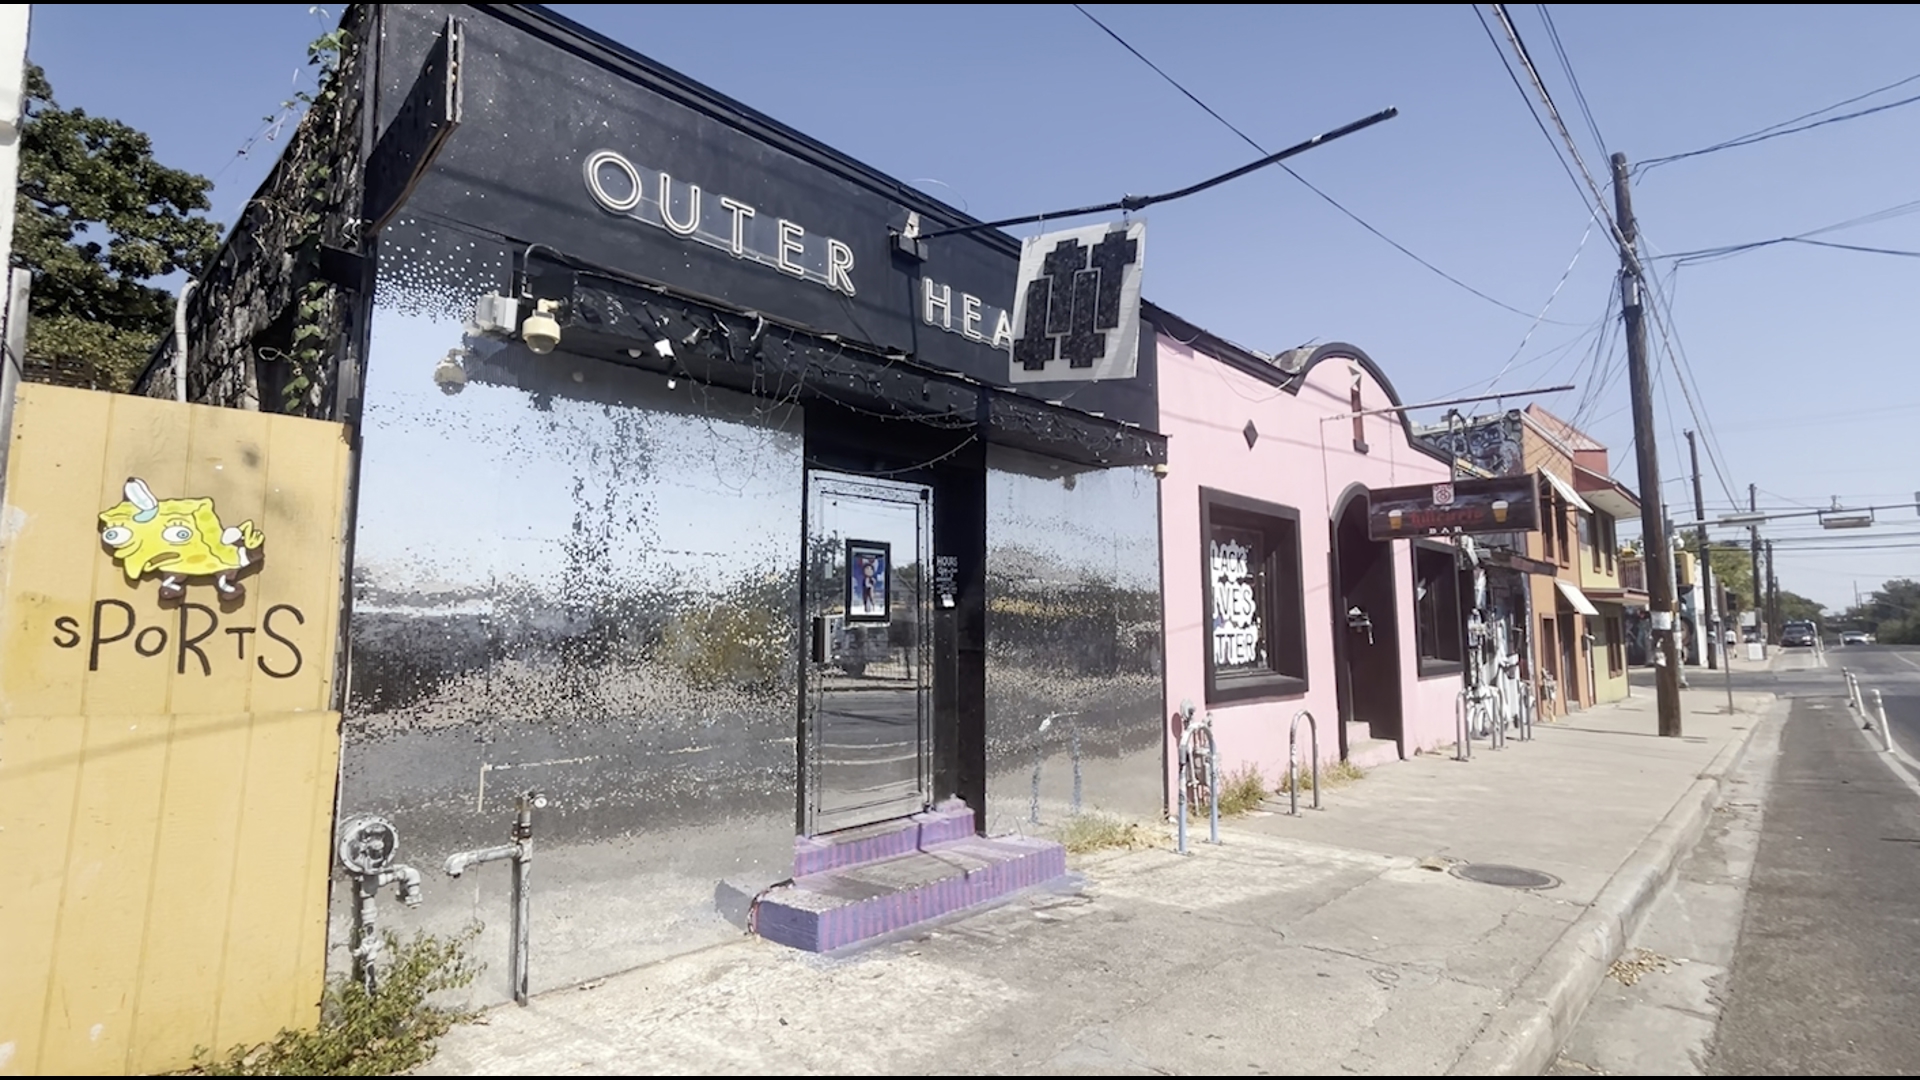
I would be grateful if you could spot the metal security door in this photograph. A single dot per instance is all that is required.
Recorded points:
(866, 755)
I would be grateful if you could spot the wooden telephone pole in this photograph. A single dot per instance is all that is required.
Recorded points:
(1711, 640)
(1653, 519)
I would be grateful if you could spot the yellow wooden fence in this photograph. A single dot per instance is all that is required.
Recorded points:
(167, 753)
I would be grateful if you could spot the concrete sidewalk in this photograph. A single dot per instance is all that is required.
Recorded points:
(1337, 941)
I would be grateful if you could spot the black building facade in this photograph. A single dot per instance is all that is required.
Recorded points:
(626, 557)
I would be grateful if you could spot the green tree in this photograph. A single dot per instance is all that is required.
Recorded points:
(97, 219)
(1794, 606)
(1733, 568)
(1891, 614)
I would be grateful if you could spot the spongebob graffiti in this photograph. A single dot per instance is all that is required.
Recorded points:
(179, 540)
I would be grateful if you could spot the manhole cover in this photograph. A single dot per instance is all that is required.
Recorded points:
(1507, 877)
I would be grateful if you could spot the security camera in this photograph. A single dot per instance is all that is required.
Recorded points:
(541, 331)
(450, 375)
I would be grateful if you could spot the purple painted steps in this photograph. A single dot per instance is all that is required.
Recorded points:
(866, 883)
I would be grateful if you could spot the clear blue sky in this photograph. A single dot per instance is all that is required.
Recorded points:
(1804, 357)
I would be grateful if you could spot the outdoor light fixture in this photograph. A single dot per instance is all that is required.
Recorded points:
(450, 375)
(541, 331)
(496, 315)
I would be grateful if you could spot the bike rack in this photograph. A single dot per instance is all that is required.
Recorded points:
(1293, 760)
(1040, 759)
(1463, 748)
(1187, 728)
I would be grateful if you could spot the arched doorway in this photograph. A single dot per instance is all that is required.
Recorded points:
(1366, 628)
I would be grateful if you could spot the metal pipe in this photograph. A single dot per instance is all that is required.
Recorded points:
(1293, 760)
(522, 896)
(461, 862)
(180, 341)
(521, 852)
(366, 935)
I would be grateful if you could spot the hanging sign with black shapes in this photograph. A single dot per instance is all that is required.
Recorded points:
(1076, 306)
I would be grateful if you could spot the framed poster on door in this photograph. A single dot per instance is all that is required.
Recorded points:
(869, 567)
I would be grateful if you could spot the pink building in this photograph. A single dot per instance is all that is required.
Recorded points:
(1276, 600)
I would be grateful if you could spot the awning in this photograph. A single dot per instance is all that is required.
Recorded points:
(1566, 491)
(1575, 597)
(1607, 494)
(1624, 597)
(1513, 560)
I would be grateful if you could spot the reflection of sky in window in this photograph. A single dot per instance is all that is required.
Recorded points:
(460, 489)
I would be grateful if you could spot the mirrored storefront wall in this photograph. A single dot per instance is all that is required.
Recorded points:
(574, 577)
(1073, 644)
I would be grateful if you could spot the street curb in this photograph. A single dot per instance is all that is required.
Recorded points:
(1524, 1036)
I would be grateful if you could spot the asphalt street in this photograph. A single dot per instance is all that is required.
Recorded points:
(1816, 861)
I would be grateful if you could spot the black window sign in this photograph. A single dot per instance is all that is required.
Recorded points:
(1503, 504)
(946, 579)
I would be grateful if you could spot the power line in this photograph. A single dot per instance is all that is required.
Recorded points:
(1553, 110)
(1579, 95)
(1676, 356)
(1330, 200)
(1775, 131)
(1535, 113)
(1874, 217)
(1715, 254)
(1542, 317)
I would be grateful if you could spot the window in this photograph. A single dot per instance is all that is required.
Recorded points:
(1546, 519)
(1436, 608)
(1616, 646)
(1560, 530)
(1609, 539)
(1590, 537)
(1252, 596)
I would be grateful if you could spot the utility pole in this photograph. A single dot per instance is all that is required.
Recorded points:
(1703, 589)
(1773, 592)
(1653, 525)
(1753, 534)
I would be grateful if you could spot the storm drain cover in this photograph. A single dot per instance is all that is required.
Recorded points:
(1507, 877)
